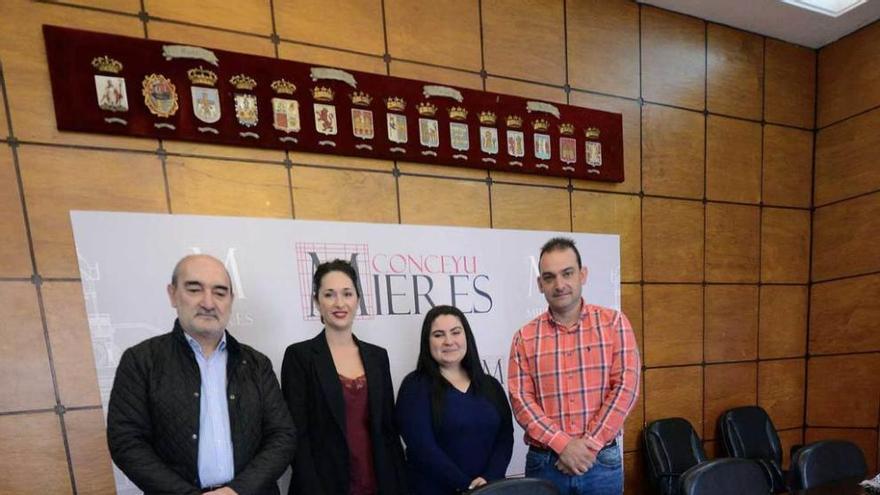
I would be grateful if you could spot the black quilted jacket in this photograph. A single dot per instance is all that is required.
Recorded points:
(153, 418)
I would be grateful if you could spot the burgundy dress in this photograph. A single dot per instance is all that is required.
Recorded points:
(357, 430)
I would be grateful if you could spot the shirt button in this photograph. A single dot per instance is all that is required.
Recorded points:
(232, 397)
(195, 394)
(195, 436)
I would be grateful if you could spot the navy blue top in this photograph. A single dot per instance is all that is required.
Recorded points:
(473, 438)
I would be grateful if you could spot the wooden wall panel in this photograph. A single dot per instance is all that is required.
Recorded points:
(788, 167)
(672, 240)
(785, 245)
(525, 89)
(846, 158)
(790, 84)
(439, 75)
(350, 24)
(673, 58)
(843, 391)
(603, 46)
(212, 187)
(15, 259)
(844, 316)
(733, 160)
(735, 72)
(673, 151)
(71, 342)
(435, 201)
(843, 238)
(525, 40)
(24, 359)
(33, 459)
(633, 472)
(849, 75)
(344, 195)
(671, 392)
(783, 321)
(732, 247)
(89, 455)
(59, 180)
(727, 386)
(325, 56)
(546, 209)
(249, 16)
(731, 322)
(788, 439)
(673, 325)
(612, 214)
(439, 33)
(199, 36)
(781, 391)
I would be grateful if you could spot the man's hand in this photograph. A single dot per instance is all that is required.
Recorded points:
(576, 458)
(476, 483)
(222, 491)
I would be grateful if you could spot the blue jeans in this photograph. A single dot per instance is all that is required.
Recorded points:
(604, 478)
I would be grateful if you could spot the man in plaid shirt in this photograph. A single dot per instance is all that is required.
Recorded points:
(573, 377)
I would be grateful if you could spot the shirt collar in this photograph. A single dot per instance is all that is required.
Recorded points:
(559, 325)
(198, 347)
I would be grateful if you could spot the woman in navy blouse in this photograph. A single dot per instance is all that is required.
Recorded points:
(454, 418)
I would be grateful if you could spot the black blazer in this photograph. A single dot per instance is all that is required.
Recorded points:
(314, 395)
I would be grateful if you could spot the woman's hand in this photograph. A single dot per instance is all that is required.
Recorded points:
(477, 482)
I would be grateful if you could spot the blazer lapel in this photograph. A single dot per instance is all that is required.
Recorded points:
(329, 380)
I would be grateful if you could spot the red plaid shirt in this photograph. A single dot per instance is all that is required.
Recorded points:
(580, 381)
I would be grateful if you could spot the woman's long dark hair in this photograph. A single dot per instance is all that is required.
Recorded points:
(426, 366)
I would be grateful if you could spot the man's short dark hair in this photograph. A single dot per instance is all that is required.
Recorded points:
(560, 244)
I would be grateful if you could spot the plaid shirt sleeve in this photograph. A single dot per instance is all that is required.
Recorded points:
(624, 377)
(526, 407)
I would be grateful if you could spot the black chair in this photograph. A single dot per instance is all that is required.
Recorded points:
(728, 476)
(827, 461)
(517, 486)
(748, 433)
(671, 448)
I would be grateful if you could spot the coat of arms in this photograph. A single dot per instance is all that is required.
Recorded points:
(111, 93)
(489, 140)
(160, 95)
(516, 144)
(397, 128)
(458, 136)
(246, 109)
(594, 153)
(429, 133)
(206, 104)
(362, 123)
(568, 150)
(542, 146)
(325, 119)
(285, 115)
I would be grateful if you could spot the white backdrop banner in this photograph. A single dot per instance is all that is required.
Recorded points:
(126, 259)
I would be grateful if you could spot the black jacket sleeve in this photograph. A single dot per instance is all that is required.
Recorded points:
(130, 436)
(278, 441)
(294, 386)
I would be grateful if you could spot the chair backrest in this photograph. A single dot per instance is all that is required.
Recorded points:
(748, 433)
(518, 486)
(827, 461)
(727, 476)
(671, 448)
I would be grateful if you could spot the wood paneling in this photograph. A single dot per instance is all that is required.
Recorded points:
(612, 214)
(71, 341)
(433, 201)
(212, 187)
(731, 322)
(733, 160)
(633, 472)
(344, 195)
(211, 38)
(546, 208)
(732, 247)
(439, 33)
(844, 238)
(15, 258)
(525, 40)
(672, 240)
(845, 316)
(788, 166)
(89, 456)
(33, 459)
(790, 84)
(673, 325)
(789, 439)
(675, 392)
(631, 305)
(727, 386)
(436, 74)
(673, 58)
(24, 359)
(525, 89)
(58, 180)
(603, 46)
(673, 150)
(843, 391)
(849, 75)
(735, 72)
(783, 321)
(632, 149)
(781, 391)
(846, 158)
(349, 24)
(325, 56)
(785, 245)
(249, 16)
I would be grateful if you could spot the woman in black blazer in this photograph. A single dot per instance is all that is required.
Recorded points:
(339, 392)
